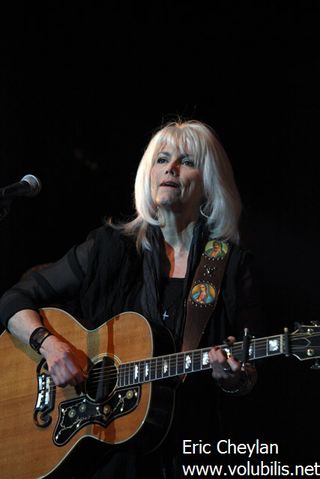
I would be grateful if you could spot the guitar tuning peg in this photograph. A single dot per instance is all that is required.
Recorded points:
(316, 365)
(315, 323)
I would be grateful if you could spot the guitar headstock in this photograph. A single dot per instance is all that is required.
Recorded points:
(305, 343)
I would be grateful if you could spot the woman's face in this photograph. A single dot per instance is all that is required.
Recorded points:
(176, 183)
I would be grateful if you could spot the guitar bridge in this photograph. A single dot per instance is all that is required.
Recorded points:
(45, 396)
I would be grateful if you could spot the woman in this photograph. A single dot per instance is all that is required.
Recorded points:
(185, 197)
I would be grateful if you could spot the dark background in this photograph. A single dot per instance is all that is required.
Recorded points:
(82, 90)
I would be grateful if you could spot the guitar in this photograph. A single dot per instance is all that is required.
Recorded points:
(127, 399)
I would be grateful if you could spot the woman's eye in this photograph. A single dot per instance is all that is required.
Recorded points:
(188, 162)
(161, 159)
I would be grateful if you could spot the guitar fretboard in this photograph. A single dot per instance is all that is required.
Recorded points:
(177, 364)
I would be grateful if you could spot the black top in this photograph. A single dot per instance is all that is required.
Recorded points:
(105, 276)
(172, 292)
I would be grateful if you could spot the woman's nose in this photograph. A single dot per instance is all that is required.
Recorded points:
(172, 169)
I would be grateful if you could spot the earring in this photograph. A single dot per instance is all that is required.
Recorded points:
(201, 210)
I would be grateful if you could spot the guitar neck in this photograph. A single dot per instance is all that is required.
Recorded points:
(177, 364)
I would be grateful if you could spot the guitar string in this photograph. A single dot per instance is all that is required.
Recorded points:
(259, 348)
(180, 358)
(127, 381)
(115, 374)
(103, 372)
(196, 355)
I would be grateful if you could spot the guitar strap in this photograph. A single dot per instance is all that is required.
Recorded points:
(204, 292)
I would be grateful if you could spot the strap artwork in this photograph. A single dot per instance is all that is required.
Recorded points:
(204, 291)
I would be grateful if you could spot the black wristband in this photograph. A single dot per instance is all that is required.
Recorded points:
(37, 337)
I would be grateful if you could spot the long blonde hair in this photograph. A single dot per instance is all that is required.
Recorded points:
(222, 205)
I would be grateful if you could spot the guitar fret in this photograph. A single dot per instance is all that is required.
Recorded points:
(252, 349)
(131, 373)
(159, 368)
(165, 367)
(135, 373)
(125, 375)
(152, 369)
(197, 361)
(120, 376)
(205, 363)
(141, 371)
(282, 344)
(173, 365)
(187, 362)
(146, 374)
(178, 364)
(260, 348)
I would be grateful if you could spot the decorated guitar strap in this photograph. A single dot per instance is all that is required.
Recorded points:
(204, 292)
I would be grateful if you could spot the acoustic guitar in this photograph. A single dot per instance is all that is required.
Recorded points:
(127, 400)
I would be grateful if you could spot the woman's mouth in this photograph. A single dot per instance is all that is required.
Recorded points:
(170, 184)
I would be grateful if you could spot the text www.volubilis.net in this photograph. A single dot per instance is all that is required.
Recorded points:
(261, 469)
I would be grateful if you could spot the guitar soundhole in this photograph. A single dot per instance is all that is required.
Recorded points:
(102, 380)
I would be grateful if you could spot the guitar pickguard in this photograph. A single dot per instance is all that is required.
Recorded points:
(78, 412)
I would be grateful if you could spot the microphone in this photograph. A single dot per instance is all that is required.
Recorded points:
(29, 185)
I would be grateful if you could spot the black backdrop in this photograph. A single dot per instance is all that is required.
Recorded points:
(82, 89)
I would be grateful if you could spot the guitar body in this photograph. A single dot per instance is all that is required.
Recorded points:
(41, 424)
(126, 402)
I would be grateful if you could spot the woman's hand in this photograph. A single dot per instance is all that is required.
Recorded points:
(63, 363)
(222, 364)
(232, 376)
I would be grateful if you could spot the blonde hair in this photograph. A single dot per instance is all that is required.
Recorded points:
(222, 205)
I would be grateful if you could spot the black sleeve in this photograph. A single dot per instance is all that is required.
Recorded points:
(55, 283)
